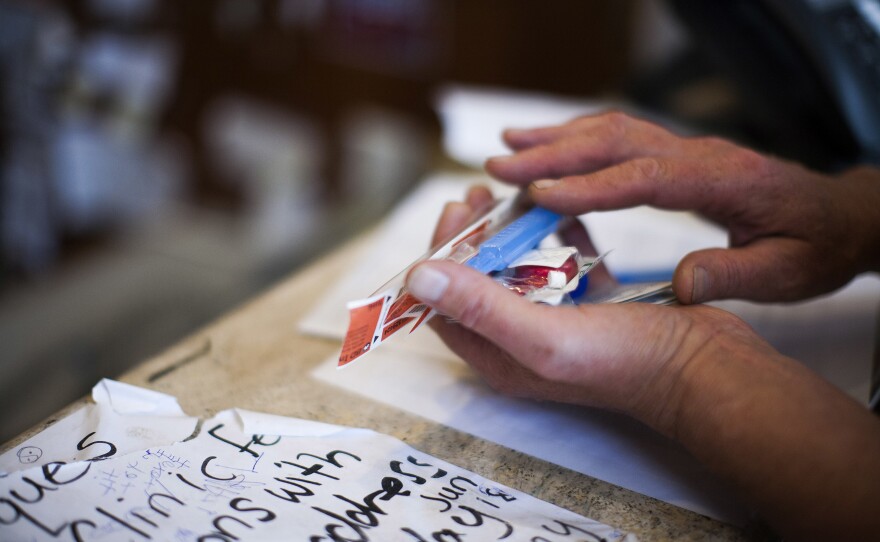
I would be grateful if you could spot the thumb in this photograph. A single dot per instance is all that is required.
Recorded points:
(482, 305)
(765, 270)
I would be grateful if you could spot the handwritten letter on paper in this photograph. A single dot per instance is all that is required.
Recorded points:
(250, 476)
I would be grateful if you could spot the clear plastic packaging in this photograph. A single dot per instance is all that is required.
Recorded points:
(552, 276)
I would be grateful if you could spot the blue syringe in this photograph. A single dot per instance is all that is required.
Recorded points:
(514, 240)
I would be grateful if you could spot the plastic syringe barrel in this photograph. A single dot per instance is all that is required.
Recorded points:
(519, 237)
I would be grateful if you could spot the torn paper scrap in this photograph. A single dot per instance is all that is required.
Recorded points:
(132, 418)
(127, 399)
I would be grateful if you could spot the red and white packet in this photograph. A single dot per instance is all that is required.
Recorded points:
(391, 308)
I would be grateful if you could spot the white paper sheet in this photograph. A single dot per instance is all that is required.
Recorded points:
(604, 445)
(473, 118)
(254, 476)
(833, 335)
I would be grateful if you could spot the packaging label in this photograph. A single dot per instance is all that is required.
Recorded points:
(377, 318)
(364, 319)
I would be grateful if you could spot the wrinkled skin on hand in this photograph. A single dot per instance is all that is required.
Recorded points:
(794, 233)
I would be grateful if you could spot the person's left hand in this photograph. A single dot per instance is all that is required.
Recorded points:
(629, 358)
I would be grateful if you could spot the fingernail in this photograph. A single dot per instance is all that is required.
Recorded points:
(700, 285)
(544, 184)
(427, 284)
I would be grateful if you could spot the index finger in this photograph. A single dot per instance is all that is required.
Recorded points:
(582, 146)
(719, 189)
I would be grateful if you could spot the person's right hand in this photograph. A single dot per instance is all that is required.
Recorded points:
(803, 452)
(794, 233)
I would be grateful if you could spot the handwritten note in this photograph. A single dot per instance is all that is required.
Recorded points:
(249, 475)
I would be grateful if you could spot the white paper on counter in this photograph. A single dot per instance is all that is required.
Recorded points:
(601, 444)
(255, 476)
(133, 418)
(833, 335)
(473, 117)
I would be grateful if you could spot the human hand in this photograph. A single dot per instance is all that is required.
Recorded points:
(631, 358)
(793, 232)
(799, 449)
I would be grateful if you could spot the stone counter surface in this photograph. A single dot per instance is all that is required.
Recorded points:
(254, 358)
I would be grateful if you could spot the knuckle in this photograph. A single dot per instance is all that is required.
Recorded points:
(751, 161)
(714, 142)
(584, 119)
(731, 275)
(649, 168)
(739, 158)
(473, 310)
(616, 117)
(714, 324)
(728, 273)
(617, 124)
